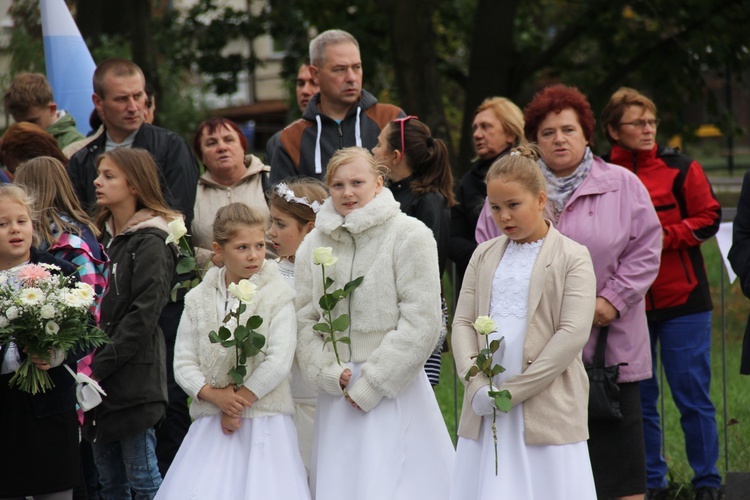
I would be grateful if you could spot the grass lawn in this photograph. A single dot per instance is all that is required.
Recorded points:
(736, 441)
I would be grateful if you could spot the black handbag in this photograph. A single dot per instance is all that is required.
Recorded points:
(604, 393)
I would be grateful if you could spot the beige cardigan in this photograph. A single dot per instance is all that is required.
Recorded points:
(553, 386)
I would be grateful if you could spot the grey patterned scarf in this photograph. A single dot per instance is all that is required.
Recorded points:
(560, 189)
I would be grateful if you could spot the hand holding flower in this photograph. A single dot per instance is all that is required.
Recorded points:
(227, 400)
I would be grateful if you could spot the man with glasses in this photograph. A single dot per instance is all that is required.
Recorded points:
(340, 115)
(678, 304)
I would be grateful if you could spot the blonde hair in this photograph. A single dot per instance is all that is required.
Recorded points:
(230, 218)
(141, 173)
(508, 114)
(17, 194)
(312, 190)
(519, 166)
(348, 155)
(48, 180)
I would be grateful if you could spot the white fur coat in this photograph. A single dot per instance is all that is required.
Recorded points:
(395, 312)
(198, 362)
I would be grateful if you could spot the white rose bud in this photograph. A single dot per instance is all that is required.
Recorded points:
(47, 311)
(12, 313)
(484, 325)
(323, 256)
(177, 230)
(243, 290)
(52, 328)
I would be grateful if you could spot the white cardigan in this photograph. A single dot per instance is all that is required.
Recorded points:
(198, 362)
(395, 312)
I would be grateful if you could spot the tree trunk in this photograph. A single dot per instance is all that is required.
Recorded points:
(490, 66)
(141, 42)
(415, 62)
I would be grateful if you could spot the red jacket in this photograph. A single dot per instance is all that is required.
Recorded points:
(689, 214)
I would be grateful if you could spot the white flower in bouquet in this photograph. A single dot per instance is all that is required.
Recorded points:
(4, 322)
(31, 296)
(177, 230)
(12, 313)
(52, 328)
(323, 256)
(243, 290)
(47, 311)
(3, 279)
(484, 325)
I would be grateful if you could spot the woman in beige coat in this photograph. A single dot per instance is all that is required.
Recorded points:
(539, 288)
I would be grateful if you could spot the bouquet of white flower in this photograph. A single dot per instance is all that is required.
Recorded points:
(41, 312)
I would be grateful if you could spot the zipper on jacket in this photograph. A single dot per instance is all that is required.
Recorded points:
(114, 275)
(349, 301)
(341, 135)
(685, 267)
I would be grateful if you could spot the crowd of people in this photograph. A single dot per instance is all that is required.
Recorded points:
(558, 246)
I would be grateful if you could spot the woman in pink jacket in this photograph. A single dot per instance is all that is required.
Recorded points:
(607, 209)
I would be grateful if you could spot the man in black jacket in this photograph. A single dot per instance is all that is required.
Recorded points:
(120, 100)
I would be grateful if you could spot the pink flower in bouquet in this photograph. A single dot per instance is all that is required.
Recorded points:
(31, 273)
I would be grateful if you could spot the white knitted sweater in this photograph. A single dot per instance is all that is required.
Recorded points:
(198, 362)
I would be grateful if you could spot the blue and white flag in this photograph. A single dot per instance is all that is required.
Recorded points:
(70, 67)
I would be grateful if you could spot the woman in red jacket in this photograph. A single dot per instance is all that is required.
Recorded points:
(678, 305)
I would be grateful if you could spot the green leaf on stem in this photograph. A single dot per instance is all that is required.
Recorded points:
(214, 337)
(494, 346)
(497, 369)
(241, 309)
(236, 377)
(341, 324)
(345, 340)
(328, 283)
(472, 371)
(241, 333)
(229, 343)
(322, 327)
(224, 333)
(258, 340)
(349, 287)
(327, 302)
(185, 265)
(254, 322)
(501, 400)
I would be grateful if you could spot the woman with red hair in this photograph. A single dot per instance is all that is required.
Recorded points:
(25, 141)
(230, 176)
(607, 209)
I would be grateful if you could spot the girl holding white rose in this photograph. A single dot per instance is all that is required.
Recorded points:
(379, 432)
(242, 443)
(133, 219)
(45, 421)
(539, 289)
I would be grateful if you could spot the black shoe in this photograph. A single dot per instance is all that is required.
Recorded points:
(707, 493)
(657, 494)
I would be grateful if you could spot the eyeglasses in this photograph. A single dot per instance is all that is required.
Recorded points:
(402, 122)
(642, 123)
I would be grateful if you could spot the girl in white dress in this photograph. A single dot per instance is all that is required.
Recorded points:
(242, 444)
(539, 288)
(293, 207)
(379, 433)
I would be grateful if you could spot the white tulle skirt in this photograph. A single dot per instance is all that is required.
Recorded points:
(259, 461)
(554, 472)
(399, 450)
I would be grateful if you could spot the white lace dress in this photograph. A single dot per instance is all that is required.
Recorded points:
(555, 472)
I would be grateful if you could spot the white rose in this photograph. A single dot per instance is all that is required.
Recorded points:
(47, 311)
(484, 325)
(12, 313)
(52, 328)
(177, 230)
(4, 322)
(243, 290)
(323, 256)
(31, 296)
(72, 299)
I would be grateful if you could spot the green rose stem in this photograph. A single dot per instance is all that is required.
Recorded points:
(500, 399)
(328, 316)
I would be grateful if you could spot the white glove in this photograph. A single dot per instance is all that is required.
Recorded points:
(482, 403)
(88, 392)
